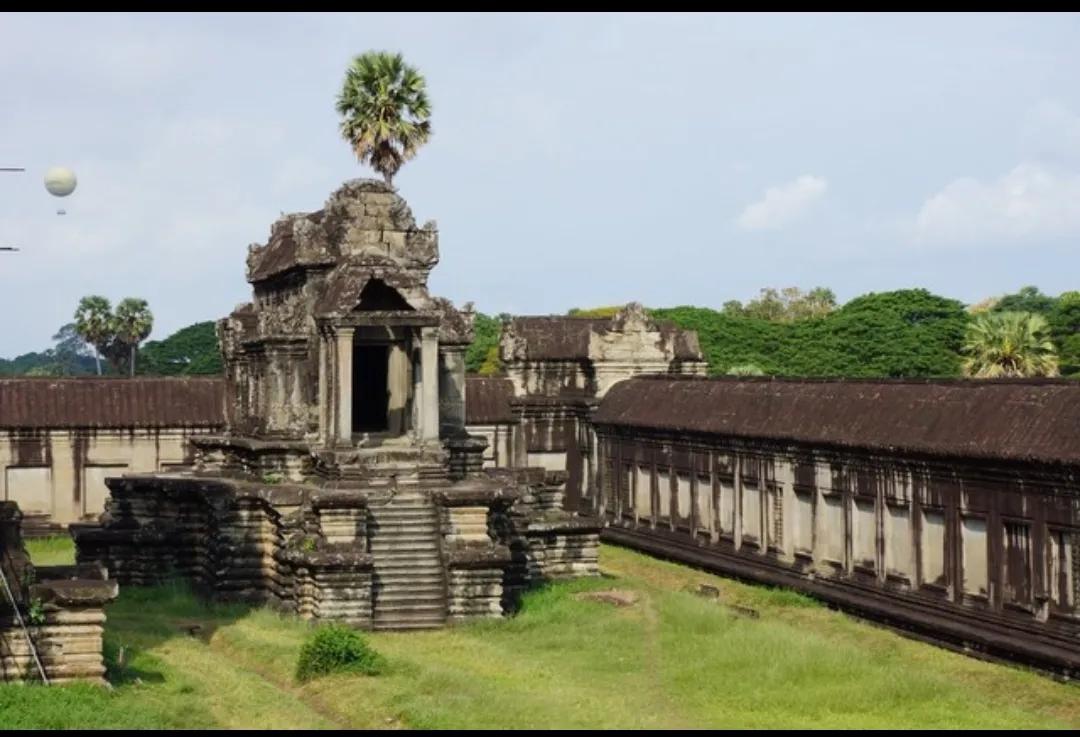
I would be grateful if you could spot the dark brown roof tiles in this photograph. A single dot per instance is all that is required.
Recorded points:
(487, 400)
(39, 403)
(1015, 420)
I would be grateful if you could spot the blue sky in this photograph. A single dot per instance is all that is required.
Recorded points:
(577, 159)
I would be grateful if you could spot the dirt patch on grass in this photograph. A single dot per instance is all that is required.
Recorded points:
(615, 597)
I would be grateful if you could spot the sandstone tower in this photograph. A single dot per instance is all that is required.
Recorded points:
(345, 485)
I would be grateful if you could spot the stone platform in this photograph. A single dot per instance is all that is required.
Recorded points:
(62, 608)
(379, 557)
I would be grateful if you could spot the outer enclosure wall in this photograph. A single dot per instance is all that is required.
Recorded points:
(979, 555)
(58, 476)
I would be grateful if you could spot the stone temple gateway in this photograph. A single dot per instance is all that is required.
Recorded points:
(345, 485)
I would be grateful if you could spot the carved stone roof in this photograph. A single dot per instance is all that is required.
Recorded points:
(1028, 420)
(344, 285)
(554, 338)
(364, 221)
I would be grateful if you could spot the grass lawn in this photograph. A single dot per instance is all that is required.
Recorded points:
(672, 660)
(51, 551)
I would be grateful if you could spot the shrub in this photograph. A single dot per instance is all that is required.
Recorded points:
(36, 613)
(335, 648)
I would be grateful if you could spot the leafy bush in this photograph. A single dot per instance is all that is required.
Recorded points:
(335, 648)
(36, 613)
(484, 350)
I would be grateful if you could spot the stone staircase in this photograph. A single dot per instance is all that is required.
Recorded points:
(409, 581)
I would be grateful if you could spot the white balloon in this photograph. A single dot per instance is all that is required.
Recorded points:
(60, 181)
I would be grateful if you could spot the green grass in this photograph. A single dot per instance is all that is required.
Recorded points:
(671, 660)
(51, 551)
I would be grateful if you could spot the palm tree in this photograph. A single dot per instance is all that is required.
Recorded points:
(93, 322)
(385, 111)
(1009, 344)
(132, 323)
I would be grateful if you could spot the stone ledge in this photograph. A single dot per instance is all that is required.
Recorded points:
(85, 571)
(248, 443)
(328, 558)
(557, 521)
(75, 593)
(476, 556)
(475, 492)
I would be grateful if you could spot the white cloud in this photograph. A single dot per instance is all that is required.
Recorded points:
(783, 203)
(1031, 201)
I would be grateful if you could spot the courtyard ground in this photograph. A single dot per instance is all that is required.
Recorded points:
(673, 659)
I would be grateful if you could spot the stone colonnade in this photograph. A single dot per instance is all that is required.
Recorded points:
(336, 382)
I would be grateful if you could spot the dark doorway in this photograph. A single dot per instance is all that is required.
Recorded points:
(371, 394)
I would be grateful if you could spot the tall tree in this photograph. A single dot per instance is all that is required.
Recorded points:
(1065, 331)
(385, 111)
(70, 351)
(132, 324)
(786, 305)
(1009, 344)
(1028, 299)
(484, 351)
(93, 321)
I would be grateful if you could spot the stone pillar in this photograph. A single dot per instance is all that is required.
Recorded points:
(452, 390)
(429, 384)
(398, 379)
(344, 337)
(324, 393)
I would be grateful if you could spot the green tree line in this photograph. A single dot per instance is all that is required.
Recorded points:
(905, 333)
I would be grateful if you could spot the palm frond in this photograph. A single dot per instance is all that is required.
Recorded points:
(385, 110)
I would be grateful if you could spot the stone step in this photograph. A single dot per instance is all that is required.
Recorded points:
(409, 569)
(411, 531)
(410, 622)
(424, 564)
(404, 556)
(404, 538)
(400, 502)
(404, 548)
(403, 543)
(411, 625)
(406, 519)
(406, 514)
(401, 518)
(397, 568)
(435, 598)
(402, 526)
(409, 610)
(420, 581)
